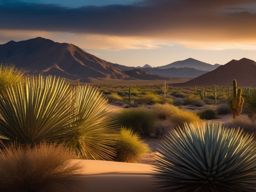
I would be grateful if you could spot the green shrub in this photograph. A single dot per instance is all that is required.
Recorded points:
(49, 109)
(223, 109)
(9, 76)
(140, 120)
(194, 100)
(44, 168)
(208, 114)
(207, 158)
(129, 146)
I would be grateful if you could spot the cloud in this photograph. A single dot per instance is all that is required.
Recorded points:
(187, 20)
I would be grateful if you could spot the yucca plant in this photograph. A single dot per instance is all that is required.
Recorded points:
(49, 109)
(9, 76)
(207, 158)
(94, 138)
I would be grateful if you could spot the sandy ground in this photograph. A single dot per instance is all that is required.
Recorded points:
(107, 176)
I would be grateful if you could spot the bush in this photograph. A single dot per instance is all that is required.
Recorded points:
(150, 98)
(208, 114)
(178, 94)
(44, 168)
(223, 109)
(139, 120)
(155, 121)
(9, 76)
(193, 100)
(129, 146)
(244, 123)
(175, 115)
(48, 109)
(207, 158)
(251, 104)
(115, 97)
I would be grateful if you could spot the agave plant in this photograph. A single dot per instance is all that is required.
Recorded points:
(207, 158)
(48, 109)
(9, 76)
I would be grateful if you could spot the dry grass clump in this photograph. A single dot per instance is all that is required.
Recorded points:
(9, 76)
(175, 115)
(130, 148)
(113, 97)
(243, 122)
(150, 98)
(194, 101)
(43, 168)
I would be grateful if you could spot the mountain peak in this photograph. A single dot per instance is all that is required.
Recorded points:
(191, 63)
(147, 66)
(243, 70)
(246, 60)
(39, 40)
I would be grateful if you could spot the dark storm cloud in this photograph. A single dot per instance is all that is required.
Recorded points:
(148, 17)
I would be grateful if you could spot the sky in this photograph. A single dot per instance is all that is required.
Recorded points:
(138, 32)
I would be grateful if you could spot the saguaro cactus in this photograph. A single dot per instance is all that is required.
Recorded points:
(130, 95)
(237, 101)
(165, 90)
(202, 94)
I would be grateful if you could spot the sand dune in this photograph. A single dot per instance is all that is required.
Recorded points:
(107, 176)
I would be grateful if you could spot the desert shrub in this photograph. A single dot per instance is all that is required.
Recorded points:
(178, 94)
(194, 100)
(130, 148)
(175, 115)
(208, 114)
(244, 123)
(140, 120)
(49, 109)
(44, 168)
(9, 76)
(207, 158)
(150, 98)
(223, 109)
(251, 104)
(115, 97)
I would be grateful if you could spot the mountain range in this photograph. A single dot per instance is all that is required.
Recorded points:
(44, 56)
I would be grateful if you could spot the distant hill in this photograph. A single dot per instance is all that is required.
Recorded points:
(147, 66)
(175, 72)
(244, 71)
(45, 56)
(142, 74)
(191, 63)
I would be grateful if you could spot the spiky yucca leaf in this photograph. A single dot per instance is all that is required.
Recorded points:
(49, 109)
(94, 139)
(207, 158)
(9, 76)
